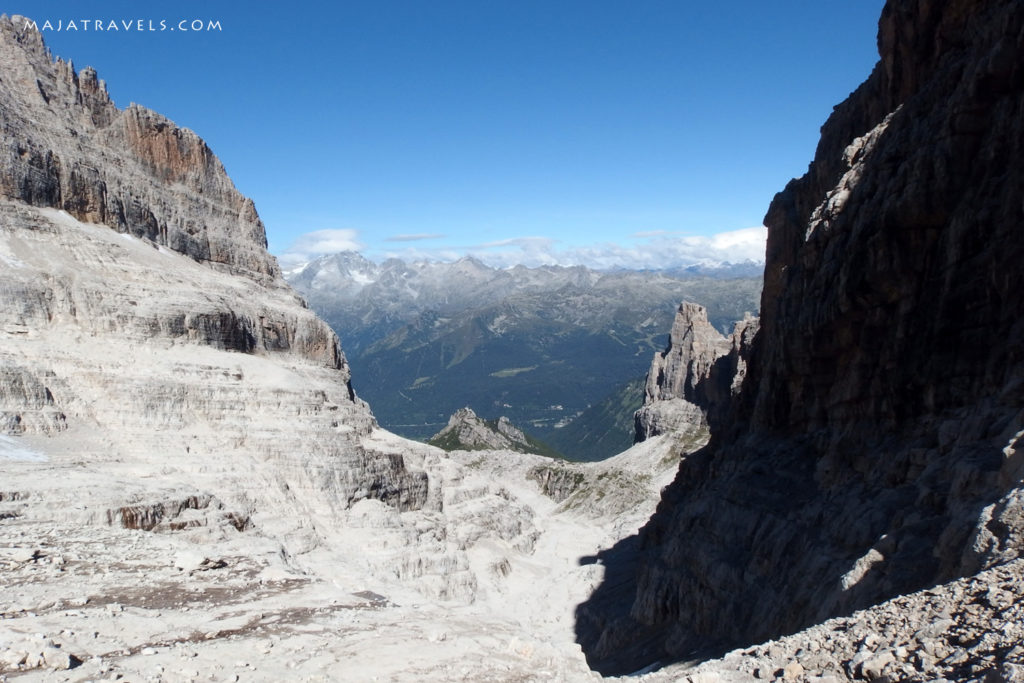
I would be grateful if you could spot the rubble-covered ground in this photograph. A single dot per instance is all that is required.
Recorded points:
(85, 598)
(967, 630)
(483, 589)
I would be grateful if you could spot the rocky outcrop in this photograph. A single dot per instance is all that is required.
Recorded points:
(26, 403)
(465, 431)
(694, 346)
(557, 481)
(874, 447)
(695, 376)
(67, 146)
(142, 321)
(176, 515)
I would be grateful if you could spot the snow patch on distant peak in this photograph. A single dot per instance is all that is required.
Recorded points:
(293, 270)
(362, 278)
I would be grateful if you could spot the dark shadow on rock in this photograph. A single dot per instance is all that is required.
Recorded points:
(870, 451)
(603, 622)
(751, 547)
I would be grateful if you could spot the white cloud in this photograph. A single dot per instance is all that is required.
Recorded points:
(652, 251)
(747, 240)
(529, 251)
(414, 237)
(312, 244)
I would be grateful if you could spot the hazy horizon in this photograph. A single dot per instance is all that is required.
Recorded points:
(572, 132)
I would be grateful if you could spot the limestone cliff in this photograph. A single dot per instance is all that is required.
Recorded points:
(67, 146)
(695, 376)
(873, 448)
(143, 322)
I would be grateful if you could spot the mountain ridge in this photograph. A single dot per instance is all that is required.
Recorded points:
(167, 177)
(538, 345)
(134, 268)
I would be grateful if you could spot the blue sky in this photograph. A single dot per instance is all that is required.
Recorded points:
(599, 131)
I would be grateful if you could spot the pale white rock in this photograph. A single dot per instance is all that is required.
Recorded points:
(18, 555)
(694, 377)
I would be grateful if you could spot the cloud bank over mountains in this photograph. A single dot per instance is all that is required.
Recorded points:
(650, 250)
(317, 243)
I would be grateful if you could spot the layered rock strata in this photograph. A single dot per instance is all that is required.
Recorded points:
(874, 447)
(67, 146)
(695, 376)
(144, 324)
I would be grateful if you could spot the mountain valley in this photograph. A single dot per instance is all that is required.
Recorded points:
(539, 346)
(193, 485)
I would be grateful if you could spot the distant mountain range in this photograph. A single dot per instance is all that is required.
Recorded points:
(538, 345)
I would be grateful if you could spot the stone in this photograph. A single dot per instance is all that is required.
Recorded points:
(792, 671)
(873, 667)
(856, 663)
(1007, 673)
(865, 425)
(704, 677)
(58, 659)
(466, 431)
(188, 560)
(20, 555)
(13, 659)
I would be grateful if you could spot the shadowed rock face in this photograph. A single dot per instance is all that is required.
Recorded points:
(872, 449)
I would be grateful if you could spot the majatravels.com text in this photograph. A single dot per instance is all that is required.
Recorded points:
(125, 25)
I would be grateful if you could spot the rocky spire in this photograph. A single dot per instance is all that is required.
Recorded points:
(694, 376)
